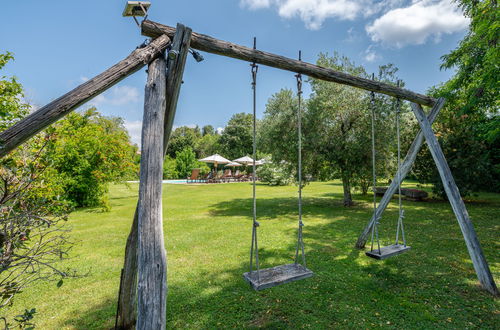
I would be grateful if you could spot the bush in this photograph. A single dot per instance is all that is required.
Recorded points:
(274, 174)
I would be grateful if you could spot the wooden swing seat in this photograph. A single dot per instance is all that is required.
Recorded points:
(387, 251)
(270, 277)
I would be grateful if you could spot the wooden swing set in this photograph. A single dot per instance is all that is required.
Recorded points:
(143, 289)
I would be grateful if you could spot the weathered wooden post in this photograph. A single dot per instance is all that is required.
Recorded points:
(405, 168)
(457, 204)
(152, 262)
(127, 311)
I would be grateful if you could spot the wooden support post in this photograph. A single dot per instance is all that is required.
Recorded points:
(152, 263)
(180, 46)
(405, 168)
(457, 204)
(43, 117)
(224, 48)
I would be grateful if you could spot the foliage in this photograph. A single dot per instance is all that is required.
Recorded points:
(274, 174)
(207, 130)
(185, 162)
(237, 138)
(467, 126)
(12, 107)
(170, 168)
(181, 138)
(475, 60)
(33, 235)
(89, 151)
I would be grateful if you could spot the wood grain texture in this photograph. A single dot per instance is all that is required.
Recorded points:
(457, 204)
(127, 309)
(128, 304)
(180, 45)
(43, 117)
(152, 261)
(211, 45)
(405, 169)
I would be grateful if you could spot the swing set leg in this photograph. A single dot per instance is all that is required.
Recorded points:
(476, 253)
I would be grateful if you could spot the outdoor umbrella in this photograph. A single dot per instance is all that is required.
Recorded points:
(215, 159)
(233, 164)
(244, 160)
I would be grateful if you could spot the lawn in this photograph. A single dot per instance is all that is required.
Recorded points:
(208, 230)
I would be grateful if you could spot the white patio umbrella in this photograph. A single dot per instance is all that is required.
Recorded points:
(215, 159)
(260, 162)
(233, 164)
(244, 160)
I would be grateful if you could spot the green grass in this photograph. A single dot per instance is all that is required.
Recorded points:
(207, 232)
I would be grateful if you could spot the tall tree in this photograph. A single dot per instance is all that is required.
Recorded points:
(236, 140)
(467, 127)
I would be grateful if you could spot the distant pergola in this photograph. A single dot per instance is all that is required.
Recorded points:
(143, 289)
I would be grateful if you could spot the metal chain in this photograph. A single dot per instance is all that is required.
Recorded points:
(401, 210)
(300, 242)
(255, 224)
(374, 174)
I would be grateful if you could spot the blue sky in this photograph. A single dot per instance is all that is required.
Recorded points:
(59, 44)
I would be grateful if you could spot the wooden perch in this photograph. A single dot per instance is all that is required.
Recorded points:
(43, 117)
(211, 45)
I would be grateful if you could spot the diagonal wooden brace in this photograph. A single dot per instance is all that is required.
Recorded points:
(405, 168)
(457, 204)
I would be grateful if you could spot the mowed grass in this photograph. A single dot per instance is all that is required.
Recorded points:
(208, 229)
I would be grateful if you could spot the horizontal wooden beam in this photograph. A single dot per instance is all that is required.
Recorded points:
(47, 115)
(211, 45)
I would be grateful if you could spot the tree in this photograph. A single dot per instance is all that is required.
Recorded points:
(339, 122)
(207, 130)
(12, 107)
(467, 127)
(90, 151)
(181, 138)
(236, 140)
(207, 145)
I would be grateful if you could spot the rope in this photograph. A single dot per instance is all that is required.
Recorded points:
(300, 242)
(374, 174)
(401, 210)
(255, 224)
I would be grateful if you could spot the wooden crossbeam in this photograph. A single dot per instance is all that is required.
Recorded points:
(43, 117)
(211, 45)
(457, 204)
(404, 170)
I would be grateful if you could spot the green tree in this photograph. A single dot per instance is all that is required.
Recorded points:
(236, 140)
(90, 151)
(207, 145)
(185, 162)
(181, 138)
(467, 127)
(207, 130)
(12, 107)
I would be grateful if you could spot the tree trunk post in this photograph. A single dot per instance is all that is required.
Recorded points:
(128, 304)
(405, 168)
(152, 263)
(457, 204)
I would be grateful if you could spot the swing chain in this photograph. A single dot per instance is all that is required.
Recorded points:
(300, 241)
(254, 248)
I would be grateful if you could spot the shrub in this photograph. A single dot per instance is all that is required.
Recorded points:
(274, 174)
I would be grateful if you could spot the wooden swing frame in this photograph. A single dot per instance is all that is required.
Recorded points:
(143, 289)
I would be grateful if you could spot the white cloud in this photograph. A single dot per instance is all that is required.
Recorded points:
(134, 129)
(312, 12)
(418, 22)
(219, 130)
(371, 55)
(118, 95)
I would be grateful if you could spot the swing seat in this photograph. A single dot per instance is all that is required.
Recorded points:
(387, 251)
(270, 277)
